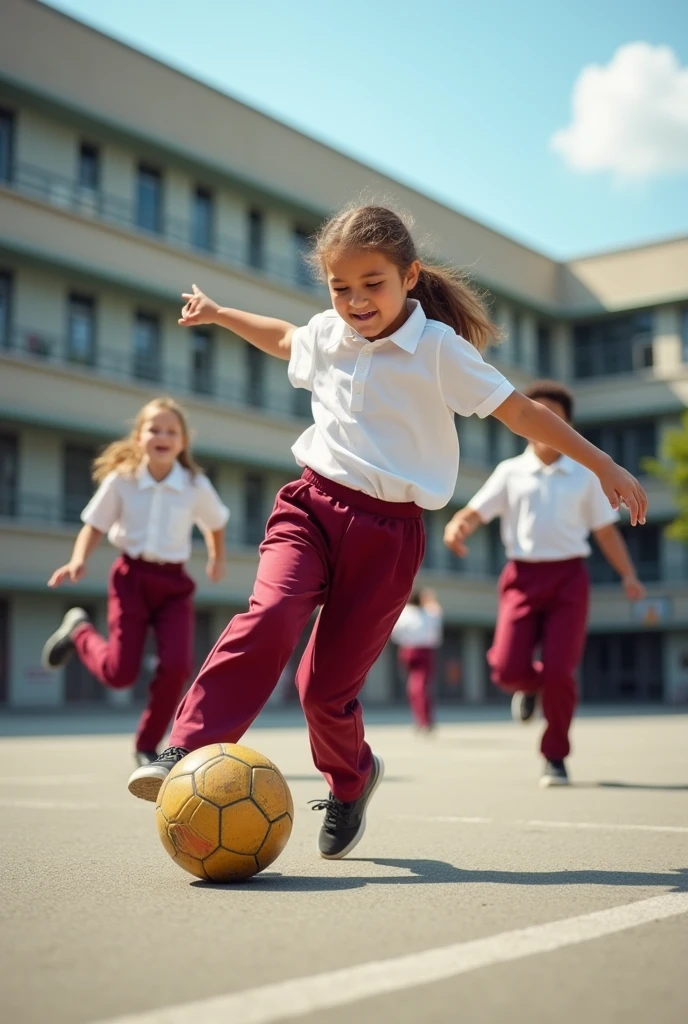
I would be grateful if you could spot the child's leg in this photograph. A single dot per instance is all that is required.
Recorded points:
(173, 625)
(377, 561)
(244, 667)
(562, 648)
(418, 685)
(116, 661)
(517, 632)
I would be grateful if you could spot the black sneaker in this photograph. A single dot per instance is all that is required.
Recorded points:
(146, 781)
(554, 774)
(523, 706)
(59, 648)
(345, 823)
(143, 757)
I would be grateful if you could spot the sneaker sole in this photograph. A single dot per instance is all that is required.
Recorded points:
(516, 711)
(61, 633)
(362, 827)
(547, 783)
(146, 787)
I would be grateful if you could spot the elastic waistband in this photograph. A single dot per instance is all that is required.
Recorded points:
(145, 563)
(359, 500)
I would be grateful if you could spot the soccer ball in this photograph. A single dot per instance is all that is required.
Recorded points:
(224, 812)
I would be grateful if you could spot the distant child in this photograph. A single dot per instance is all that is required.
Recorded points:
(418, 633)
(387, 367)
(150, 495)
(548, 506)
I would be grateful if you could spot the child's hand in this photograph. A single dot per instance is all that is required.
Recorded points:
(216, 569)
(456, 531)
(199, 309)
(633, 588)
(72, 571)
(622, 488)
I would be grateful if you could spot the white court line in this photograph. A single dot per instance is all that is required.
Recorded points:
(47, 780)
(287, 999)
(50, 805)
(599, 826)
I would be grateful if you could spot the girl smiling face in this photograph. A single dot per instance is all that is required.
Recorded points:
(369, 291)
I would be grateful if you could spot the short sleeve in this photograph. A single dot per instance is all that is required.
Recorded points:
(470, 385)
(599, 512)
(105, 507)
(490, 501)
(209, 511)
(302, 358)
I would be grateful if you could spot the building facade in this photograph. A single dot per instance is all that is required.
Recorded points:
(107, 214)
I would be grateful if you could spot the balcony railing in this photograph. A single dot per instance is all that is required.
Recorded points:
(96, 204)
(122, 364)
(65, 510)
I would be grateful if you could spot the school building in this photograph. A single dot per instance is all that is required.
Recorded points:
(121, 182)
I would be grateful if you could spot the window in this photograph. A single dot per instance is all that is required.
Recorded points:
(77, 483)
(254, 508)
(89, 167)
(9, 474)
(302, 403)
(5, 310)
(684, 334)
(6, 145)
(302, 247)
(256, 240)
(517, 338)
(4, 650)
(645, 550)
(495, 548)
(202, 222)
(617, 345)
(493, 446)
(544, 351)
(202, 360)
(149, 199)
(627, 443)
(255, 376)
(147, 346)
(81, 330)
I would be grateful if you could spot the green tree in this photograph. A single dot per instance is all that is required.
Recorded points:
(672, 468)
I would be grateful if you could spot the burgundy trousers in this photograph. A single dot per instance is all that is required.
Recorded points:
(419, 663)
(543, 604)
(143, 595)
(328, 545)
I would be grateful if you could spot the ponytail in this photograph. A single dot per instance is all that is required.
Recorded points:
(446, 295)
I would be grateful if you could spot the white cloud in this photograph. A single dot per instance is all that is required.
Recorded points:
(630, 117)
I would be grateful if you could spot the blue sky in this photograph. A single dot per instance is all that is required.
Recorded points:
(458, 99)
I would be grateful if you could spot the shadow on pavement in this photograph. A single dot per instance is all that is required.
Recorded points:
(437, 872)
(665, 788)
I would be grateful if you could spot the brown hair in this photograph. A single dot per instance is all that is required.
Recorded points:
(555, 392)
(125, 456)
(443, 292)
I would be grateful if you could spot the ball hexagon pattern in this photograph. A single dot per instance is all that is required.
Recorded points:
(224, 812)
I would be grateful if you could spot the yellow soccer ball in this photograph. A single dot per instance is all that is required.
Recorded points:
(224, 812)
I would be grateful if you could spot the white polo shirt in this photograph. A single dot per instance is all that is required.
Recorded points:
(418, 627)
(384, 410)
(153, 520)
(547, 512)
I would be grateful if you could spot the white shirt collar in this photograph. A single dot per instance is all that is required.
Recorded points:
(533, 464)
(407, 336)
(175, 479)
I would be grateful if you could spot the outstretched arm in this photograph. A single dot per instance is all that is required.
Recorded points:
(459, 528)
(614, 549)
(265, 332)
(532, 420)
(86, 542)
